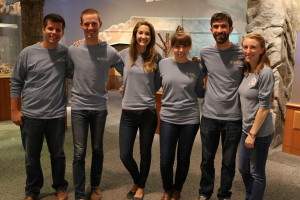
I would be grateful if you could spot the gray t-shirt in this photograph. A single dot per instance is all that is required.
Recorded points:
(39, 78)
(182, 84)
(224, 69)
(91, 65)
(256, 92)
(139, 85)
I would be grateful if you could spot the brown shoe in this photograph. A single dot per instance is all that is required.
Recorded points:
(30, 198)
(167, 195)
(176, 195)
(96, 194)
(203, 197)
(62, 195)
(132, 191)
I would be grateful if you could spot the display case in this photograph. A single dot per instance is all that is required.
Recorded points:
(9, 42)
(10, 47)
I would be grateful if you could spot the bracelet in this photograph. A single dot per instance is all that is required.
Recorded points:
(252, 135)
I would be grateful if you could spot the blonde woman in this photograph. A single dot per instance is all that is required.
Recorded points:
(255, 93)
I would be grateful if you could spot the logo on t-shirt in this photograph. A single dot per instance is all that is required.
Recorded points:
(252, 82)
(102, 59)
(236, 62)
(191, 75)
(61, 60)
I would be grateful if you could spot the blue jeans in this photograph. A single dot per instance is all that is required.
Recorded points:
(33, 132)
(230, 132)
(130, 123)
(252, 166)
(172, 135)
(81, 121)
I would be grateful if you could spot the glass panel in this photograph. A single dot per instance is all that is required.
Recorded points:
(10, 44)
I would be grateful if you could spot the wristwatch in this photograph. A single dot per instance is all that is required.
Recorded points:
(252, 135)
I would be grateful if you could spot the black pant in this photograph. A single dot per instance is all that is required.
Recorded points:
(172, 135)
(82, 120)
(230, 132)
(129, 125)
(33, 132)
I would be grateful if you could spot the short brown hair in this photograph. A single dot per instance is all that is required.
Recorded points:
(221, 16)
(181, 38)
(90, 11)
(54, 18)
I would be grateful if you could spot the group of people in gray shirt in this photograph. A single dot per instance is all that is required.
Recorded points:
(38, 80)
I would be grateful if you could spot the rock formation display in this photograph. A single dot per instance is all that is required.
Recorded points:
(277, 21)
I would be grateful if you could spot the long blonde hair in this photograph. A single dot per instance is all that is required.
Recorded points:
(263, 59)
(150, 56)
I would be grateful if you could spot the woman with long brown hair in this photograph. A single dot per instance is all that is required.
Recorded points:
(141, 81)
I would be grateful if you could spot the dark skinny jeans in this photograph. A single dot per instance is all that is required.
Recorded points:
(182, 137)
(252, 166)
(130, 123)
(82, 120)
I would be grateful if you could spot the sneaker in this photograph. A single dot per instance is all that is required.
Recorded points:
(62, 195)
(203, 197)
(96, 194)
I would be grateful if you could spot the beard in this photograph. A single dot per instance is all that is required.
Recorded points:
(221, 40)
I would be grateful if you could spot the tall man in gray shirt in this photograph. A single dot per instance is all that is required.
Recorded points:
(223, 64)
(38, 78)
(91, 61)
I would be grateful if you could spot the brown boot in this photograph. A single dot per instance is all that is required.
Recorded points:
(167, 195)
(176, 195)
(96, 194)
(61, 195)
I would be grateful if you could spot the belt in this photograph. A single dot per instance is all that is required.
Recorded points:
(139, 111)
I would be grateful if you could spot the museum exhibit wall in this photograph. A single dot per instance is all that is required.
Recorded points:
(114, 12)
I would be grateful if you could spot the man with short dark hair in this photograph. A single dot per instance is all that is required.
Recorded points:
(91, 61)
(38, 79)
(223, 63)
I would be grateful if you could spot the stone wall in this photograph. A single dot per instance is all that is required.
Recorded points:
(277, 21)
